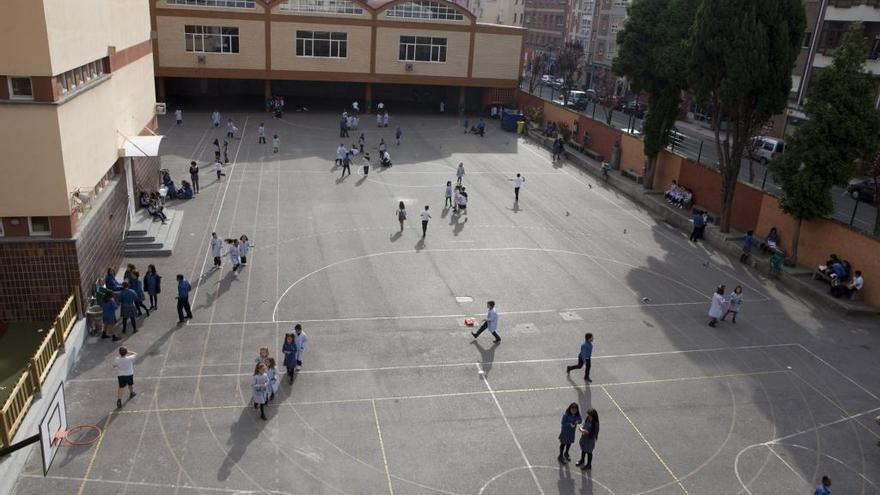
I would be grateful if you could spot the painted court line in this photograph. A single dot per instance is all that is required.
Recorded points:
(510, 428)
(460, 394)
(448, 365)
(382, 448)
(644, 439)
(461, 315)
(141, 484)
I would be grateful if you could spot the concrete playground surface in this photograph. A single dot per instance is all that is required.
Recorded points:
(396, 397)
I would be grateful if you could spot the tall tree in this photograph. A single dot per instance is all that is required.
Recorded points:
(742, 52)
(842, 127)
(538, 66)
(653, 56)
(570, 66)
(874, 174)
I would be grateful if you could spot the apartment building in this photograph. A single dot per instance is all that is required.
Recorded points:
(76, 87)
(547, 22)
(415, 51)
(506, 12)
(609, 17)
(581, 25)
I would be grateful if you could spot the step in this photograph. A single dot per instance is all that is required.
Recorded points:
(163, 241)
(145, 228)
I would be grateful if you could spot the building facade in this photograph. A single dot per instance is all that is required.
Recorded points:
(506, 12)
(547, 22)
(609, 17)
(75, 82)
(412, 50)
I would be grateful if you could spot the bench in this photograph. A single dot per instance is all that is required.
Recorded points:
(632, 175)
(595, 155)
(817, 275)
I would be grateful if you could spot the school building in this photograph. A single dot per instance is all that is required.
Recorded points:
(412, 51)
(76, 94)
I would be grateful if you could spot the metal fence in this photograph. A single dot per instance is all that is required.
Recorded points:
(38, 367)
(861, 216)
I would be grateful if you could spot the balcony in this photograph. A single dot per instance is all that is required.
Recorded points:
(823, 60)
(853, 10)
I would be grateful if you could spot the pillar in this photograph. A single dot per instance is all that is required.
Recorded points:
(267, 89)
(461, 100)
(160, 89)
(368, 97)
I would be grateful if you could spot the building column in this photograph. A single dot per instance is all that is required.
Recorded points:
(160, 89)
(267, 89)
(368, 97)
(461, 100)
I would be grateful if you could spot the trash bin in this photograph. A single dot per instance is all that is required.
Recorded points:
(521, 127)
(94, 319)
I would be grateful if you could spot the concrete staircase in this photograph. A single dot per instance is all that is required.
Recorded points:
(149, 238)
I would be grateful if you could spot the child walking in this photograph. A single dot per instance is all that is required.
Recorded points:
(288, 348)
(448, 201)
(736, 300)
(571, 418)
(260, 386)
(272, 374)
(276, 143)
(401, 215)
(300, 338)
(124, 365)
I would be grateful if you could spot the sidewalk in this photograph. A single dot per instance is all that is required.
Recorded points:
(699, 128)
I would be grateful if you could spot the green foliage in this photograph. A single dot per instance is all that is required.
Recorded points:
(742, 53)
(843, 127)
(570, 66)
(653, 55)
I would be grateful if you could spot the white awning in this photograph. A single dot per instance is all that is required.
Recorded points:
(137, 146)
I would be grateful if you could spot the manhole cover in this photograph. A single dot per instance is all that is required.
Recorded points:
(569, 316)
(463, 299)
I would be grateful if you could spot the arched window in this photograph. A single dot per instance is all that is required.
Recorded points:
(345, 7)
(425, 9)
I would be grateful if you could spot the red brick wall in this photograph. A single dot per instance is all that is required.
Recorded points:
(36, 277)
(706, 184)
(99, 243)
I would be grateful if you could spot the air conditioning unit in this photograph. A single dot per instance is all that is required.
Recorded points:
(160, 109)
(200, 59)
(409, 67)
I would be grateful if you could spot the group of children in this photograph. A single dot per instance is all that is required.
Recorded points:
(679, 196)
(734, 304)
(130, 294)
(238, 251)
(264, 383)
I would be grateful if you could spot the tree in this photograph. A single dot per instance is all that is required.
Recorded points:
(570, 66)
(653, 56)
(742, 52)
(842, 127)
(538, 66)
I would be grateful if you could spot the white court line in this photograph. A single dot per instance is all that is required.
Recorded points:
(822, 426)
(382, 448)
(826, 363)
(152, 485)
(510, 429)
(790, 468)
(461, 315)
(449, 365)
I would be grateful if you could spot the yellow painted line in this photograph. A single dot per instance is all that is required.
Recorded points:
(650, 447)
(455, 394)
(82, 486)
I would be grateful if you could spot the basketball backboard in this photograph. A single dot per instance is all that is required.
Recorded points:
(53, 423)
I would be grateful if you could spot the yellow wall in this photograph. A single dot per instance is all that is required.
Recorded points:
(79, 32)
(172, 44)
(130, 23)
(388, 50)
(33, 176)
(496, 56)
(284, 48)
(24, 49)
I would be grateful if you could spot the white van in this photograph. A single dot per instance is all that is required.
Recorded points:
(766, 148)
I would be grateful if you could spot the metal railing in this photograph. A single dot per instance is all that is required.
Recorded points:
(29, 384)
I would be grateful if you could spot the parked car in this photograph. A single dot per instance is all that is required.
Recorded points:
(558, 83)
(637, 109)
(578, 99)
(546, 79)
(675, 136)
(862, 189)
(764, 148)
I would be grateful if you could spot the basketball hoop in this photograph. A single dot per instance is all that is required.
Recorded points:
(78, 441)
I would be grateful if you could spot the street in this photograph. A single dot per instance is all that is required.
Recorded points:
(698, 145)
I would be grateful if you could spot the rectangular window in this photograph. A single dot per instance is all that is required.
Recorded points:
(422, 49)
(20, 88)
(346, 7)
(424, 9)
(211, 39)
(39, 226)
(235, 4)
(321, 44)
